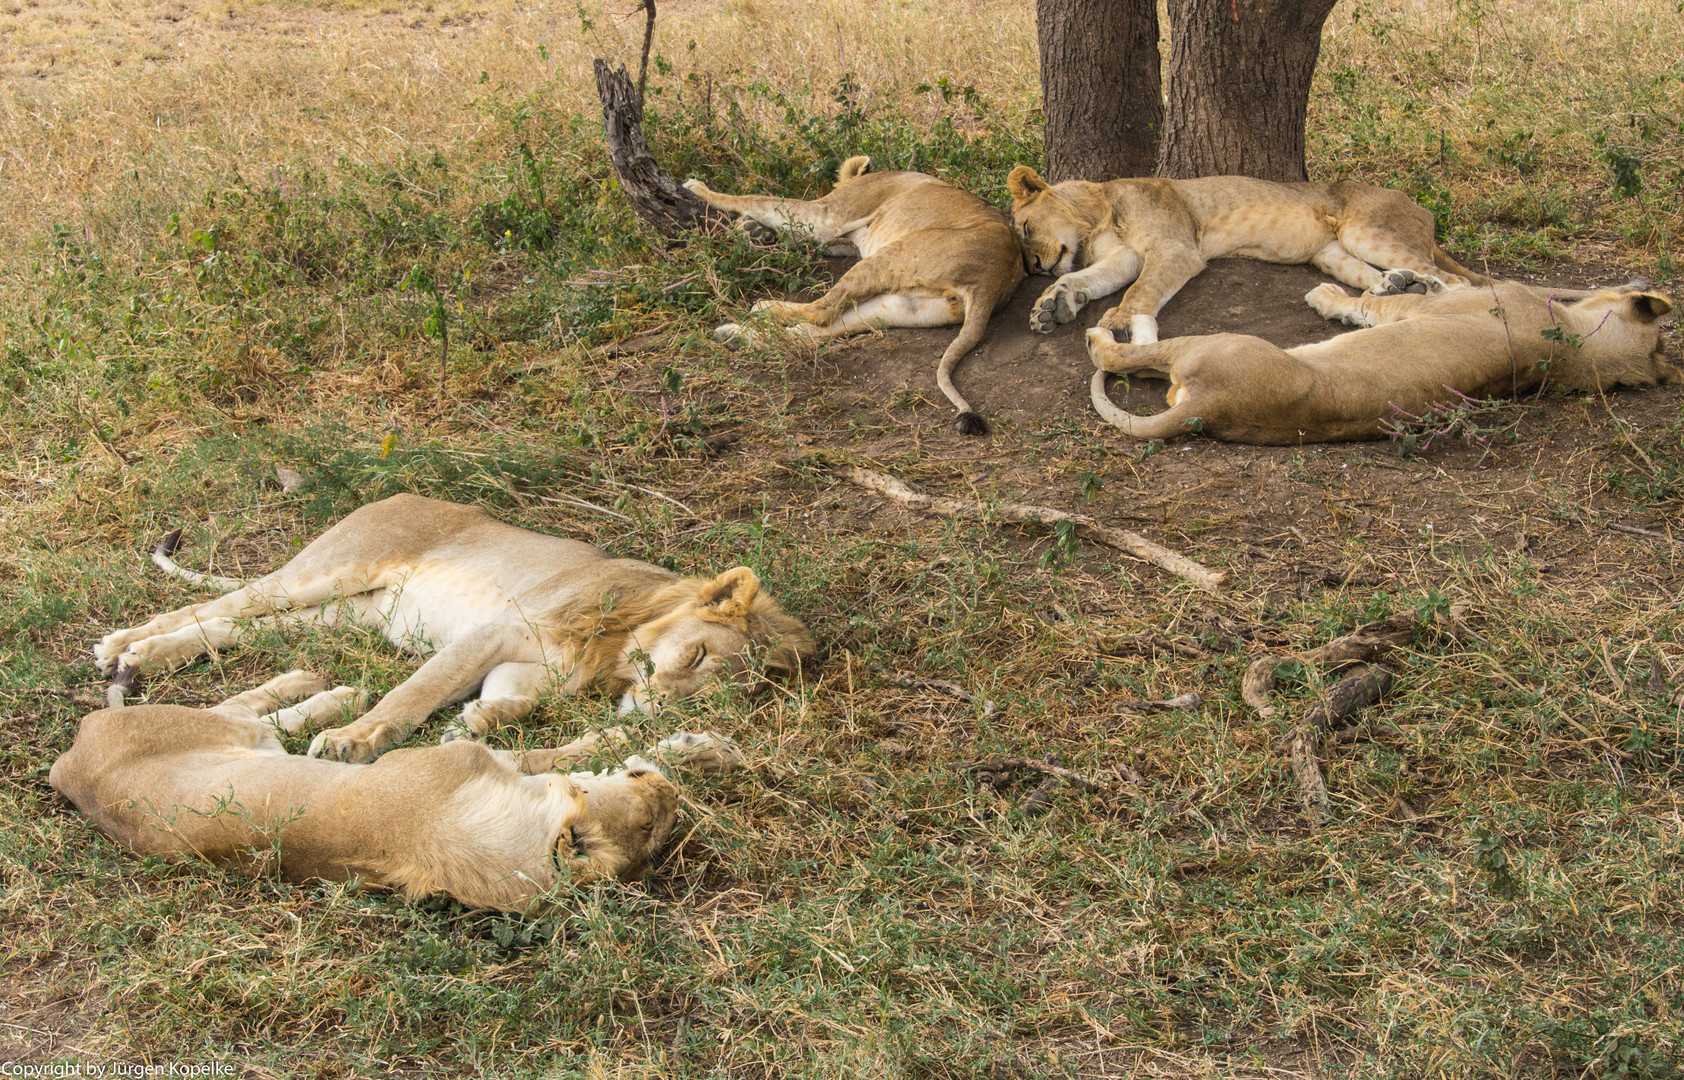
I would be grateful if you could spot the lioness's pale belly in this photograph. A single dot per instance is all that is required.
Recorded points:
(432, 606)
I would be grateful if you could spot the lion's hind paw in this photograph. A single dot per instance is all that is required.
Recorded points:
(1398, 282)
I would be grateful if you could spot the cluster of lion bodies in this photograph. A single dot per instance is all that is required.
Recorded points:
(515, 615)
(925, 246)
(511, 614)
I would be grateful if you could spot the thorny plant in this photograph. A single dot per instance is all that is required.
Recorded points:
(1473, 421)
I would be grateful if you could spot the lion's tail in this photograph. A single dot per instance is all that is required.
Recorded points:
(167, 547)
(1443, 261)
(977, 310)
(1165, 425)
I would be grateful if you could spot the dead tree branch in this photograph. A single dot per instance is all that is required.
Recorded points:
(651, 192)
(1121, 539)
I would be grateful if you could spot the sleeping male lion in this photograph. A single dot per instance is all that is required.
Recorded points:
(511, 613)
(930, 255)
(1419, 350)
(1158, 234)
(489, 827)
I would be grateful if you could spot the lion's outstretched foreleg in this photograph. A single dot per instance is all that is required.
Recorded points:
(1165, 272)
(1332, 302)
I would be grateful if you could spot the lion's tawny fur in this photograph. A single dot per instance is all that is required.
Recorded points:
(1498, 340)
(1157, 234)
(462, 819)
(930, 255)
(512, 613)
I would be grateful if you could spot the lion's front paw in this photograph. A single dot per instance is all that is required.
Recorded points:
(697, 188)
(1059, 304)
(352, 742)
(733, 335)
(707, 753)
(1328, 300)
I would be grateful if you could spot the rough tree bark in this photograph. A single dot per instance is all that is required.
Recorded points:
(652, 193)
(1239, 83)
(1101, 88)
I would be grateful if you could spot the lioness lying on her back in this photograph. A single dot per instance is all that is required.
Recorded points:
(489, 827)
(1476, 342)
(1159, 233)
(512, 613)
(930, 255)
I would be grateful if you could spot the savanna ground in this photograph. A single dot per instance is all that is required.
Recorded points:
(235, 232)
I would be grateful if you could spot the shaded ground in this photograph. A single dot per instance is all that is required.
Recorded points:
(1534, 485)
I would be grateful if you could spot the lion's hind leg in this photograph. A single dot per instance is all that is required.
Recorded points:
(1391, 250)
(1338, 263)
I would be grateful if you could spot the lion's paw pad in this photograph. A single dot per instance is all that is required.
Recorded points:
(1059, 304)
(1399, 282)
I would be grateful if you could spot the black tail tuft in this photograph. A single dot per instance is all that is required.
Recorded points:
(168, 545)
(971, 423)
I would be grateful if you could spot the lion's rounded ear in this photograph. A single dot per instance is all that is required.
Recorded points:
(730, 594)
(854, 166)
(1648, 307)
(1024, 182)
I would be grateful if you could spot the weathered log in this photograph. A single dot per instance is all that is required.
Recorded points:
(1356, 691)
(651, 192)
(1312, 790)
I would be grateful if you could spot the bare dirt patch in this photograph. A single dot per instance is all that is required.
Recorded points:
(1541, 488)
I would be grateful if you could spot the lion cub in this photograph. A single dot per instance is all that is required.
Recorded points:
(1419, 350)
(1158, 234)
(462, 818)
(930, 255)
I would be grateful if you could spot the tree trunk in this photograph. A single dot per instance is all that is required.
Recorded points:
(1101, 90)
(1239, 83)
(650, 190)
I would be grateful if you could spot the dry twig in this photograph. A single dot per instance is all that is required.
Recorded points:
(954, 690)
(1121, 539)
(1147, 708)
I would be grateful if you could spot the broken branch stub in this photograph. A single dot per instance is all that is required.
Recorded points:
(651, 192)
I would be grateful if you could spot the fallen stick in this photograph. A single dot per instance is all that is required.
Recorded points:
(1362, 644)
(1312, 790)
(1147, 708)
(942, 686)
(1356, 691)
(1074, 779)
(1121, 539)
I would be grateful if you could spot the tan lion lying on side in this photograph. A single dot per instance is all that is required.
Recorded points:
(510, 613)
(930, 255)
(1158, 234)
(1420, 350)
(489, 827)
